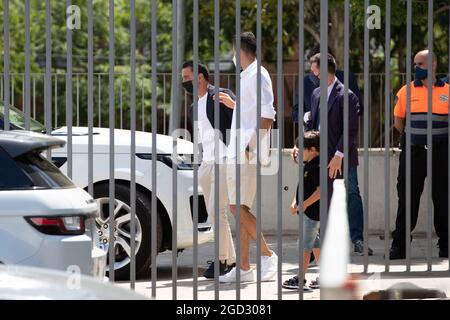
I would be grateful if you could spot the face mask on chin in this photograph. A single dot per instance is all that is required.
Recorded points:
(189, 87)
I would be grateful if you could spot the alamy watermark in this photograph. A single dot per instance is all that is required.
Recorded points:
(73, 17)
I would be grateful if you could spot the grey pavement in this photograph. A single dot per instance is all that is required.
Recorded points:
(374, 279)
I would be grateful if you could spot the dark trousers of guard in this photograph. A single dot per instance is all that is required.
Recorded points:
(439, 192)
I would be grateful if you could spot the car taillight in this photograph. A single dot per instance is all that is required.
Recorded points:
(69, 225)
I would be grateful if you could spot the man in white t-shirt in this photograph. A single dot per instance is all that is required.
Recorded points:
(204, 130)
(244, 154)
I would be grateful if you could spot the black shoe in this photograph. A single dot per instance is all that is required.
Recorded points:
(397, 253)
(359, 248)
(223, 269)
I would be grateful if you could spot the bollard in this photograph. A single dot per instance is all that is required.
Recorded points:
(335, 249)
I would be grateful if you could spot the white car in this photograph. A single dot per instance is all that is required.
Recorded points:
(122, 176)
(28, 283)
(45, 220)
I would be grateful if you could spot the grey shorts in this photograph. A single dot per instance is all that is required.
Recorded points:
(311, 238)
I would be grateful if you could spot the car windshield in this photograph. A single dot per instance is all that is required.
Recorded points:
(17, 119)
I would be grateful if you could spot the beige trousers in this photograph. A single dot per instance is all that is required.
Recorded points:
(206, 181)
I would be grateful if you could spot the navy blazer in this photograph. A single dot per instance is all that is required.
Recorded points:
(311, 82)
(225, 113)
(336, 121)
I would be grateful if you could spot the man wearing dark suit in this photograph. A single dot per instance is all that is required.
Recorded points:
(336, 143)
(205, 131)
(311, 82)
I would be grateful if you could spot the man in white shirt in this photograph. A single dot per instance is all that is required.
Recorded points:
(245, 155)
(206, 137)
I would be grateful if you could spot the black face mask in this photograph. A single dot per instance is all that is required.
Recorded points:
(189, 87)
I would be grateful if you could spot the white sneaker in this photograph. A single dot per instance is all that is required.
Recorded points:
(269, 267)
(230, 277)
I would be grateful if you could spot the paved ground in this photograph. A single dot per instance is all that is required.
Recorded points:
(370, 282)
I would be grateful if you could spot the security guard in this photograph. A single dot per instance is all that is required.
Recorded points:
(418, 130)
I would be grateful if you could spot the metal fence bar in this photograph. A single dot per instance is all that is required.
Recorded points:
(23, 94)
(133, 142)
(366, 130)
(281, 143)
(381, 111)
(195, 111)
(324, 180)
(154, 249)
(448, 163)
(12, 89)
(174, 89)
(99, 79)
(112, 125)
(387, 128)
(408, 133)
(142, 105)
(346, 101)
(69, 97)
(90, 93)
(34, 97)
(185, 109)
(258, 148)
(300, 192)
(430, 84)
(238, 148)
(56, 101)
(216, 146)
(164, 103)
(48, 70)
(26, 83)
(6, 63)
(78, 100)
(121, 102)
(294, 83)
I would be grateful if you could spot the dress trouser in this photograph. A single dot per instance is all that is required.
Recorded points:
(439, 191)
(206, 181)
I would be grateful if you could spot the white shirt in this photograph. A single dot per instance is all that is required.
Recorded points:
(330, 88)
(248, 107)
(206, 133)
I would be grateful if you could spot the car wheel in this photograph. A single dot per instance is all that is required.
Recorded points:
(122, 217)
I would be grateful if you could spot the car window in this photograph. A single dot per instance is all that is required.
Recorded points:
(42, 172)
(17, 119)
(11, 177)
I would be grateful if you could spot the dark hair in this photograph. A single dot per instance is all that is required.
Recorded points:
(202, 69)
(331, 62)
(311, 139)
(248, 43)
(315, 50)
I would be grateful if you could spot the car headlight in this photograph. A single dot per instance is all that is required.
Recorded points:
(183, 162)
